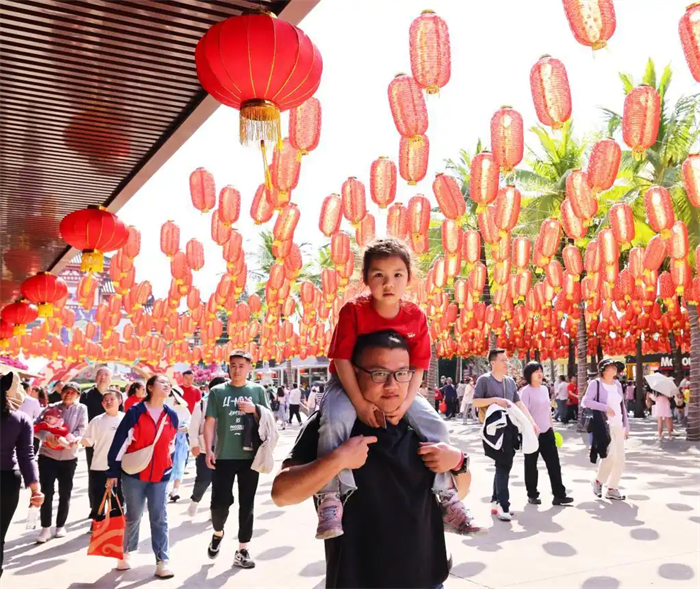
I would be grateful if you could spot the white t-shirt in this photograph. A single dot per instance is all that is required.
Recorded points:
(99, 435)
(614, 403)
(31, 407)
(561, 391)
(295, 397)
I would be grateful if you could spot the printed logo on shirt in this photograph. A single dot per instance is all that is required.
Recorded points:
(410, 335)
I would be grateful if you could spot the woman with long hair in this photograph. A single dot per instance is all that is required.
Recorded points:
(135, 394)
(145, 474)
(182, 448)
(282, 410)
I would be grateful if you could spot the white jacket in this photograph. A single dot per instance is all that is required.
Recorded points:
(530, 441)
(264, 462)
(197, 424)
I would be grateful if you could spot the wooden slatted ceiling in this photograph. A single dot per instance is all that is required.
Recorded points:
(90, 90)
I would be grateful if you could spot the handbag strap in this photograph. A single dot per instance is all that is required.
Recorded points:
(160, 428)
(107, 511)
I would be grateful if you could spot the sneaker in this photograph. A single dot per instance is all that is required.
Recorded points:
(242, 559)
(615, 495)
(456, 518)
(504, 516)
(330, 517)
(192, 509)
(60, 533)
(174, 497)
(214, 545)
(597, 488)
(123, 564)
(44, 536)
(562, 500)
(534, 501)
(495, 508)
(163, 570)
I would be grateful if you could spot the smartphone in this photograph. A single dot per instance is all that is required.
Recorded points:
(381, 418)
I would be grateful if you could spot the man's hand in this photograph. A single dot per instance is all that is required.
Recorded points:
(111, 483)
(627, 434)
(195, 451)
(439, 457)
(502, 402)
(610, 412)
(246, 405)
(37, 497)
(537, 429)
(51, 440)
(395, 416)
(211, 460)
(353, 452)
(366, 414)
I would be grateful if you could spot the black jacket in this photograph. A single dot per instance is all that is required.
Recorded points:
(601, 436)
(505, 440)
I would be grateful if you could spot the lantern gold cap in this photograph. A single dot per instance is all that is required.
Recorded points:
(428, 11)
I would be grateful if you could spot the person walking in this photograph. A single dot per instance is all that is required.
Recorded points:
(535, 396)
(16, 458)
(141, 455)
(135, 394)
(572, 401)
(56, 393)
(450, 395)
(604, 395)
(190, 393)
(32, 406)
(561, 395)
(182, 446)
(57, 463)
(467, 400)
(662, 411)
(226, 412)
(294, 403)
(630, 391)
(281, 414)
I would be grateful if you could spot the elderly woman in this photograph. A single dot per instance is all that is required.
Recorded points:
(604, 395)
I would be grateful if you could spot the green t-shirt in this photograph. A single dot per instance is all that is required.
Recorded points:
(222, 405)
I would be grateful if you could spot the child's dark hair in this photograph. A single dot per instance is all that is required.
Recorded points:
(382, 249)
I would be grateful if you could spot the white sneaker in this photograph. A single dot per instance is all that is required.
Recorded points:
(504, 516)
(44, 536)
(192, 509)
(495, 507)
(123, 564)
(163, 571)
(60, 533)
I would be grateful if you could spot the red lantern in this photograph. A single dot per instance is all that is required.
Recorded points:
(622, 223)
(331, 215)
(220, 231)
(413, 159)
(285, 169)
(640, 119)
(592, 21)
(195, 254)
(169, 238)
(507, 208)
(382, 182)
(229, 205)
(340, 248)
(44, 290)
(550, 231)
(691, 176)
(408, 108)
(573, 225)
(487, 226)
(659, 210)
(689, 31)
(603, 165)
(521, 252)
(202, 190)
(483, 184)
(354, 200)
(507, 138)
(471, 246)
(654, 253)
(419, 215)
(260, 65)
(583, 201)
(635, 263)
(451, 237)
(286, 223)
(132, 247)
(449, 196)
(19, 314)
(93, 231)
(429, 47)
(364, 234)
(550, 92)
(397, 221)
(682, 274)
(677, 244)
(420, 243)
(592, 258)
(261, 210)
(305, 126)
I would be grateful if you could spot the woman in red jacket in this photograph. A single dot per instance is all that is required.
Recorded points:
(142, 454)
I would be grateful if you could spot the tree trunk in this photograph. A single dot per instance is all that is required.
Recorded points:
(432, 376)
(599, 351)
(677, 359)
(493, 340)
(527, 356)
(582, 377)
(552, 376)
(289, 373)
(460, 370)
(693, 431)
(571, 368)
(537, 355)
(640, 396)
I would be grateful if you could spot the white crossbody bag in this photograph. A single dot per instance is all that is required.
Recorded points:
(135, 462)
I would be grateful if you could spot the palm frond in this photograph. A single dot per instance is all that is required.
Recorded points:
(613, 121)
(649, 77)
(627, 82)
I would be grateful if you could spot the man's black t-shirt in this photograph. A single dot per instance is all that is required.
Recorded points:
(92, 398)
(393, 530)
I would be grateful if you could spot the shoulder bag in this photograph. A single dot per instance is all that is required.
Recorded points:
(482, 410)
(135, 462)
(587, 413)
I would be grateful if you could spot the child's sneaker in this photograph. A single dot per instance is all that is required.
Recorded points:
(330, 517)
(456, 518)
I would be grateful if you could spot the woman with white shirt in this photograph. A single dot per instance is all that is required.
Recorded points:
(182, 448)
(467, 400)
(605, 394)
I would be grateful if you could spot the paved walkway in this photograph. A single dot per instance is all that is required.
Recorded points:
(653, 540)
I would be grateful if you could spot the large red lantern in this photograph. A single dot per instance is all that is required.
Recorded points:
(483, 183)
(94, 231)
(640, 119)
(451, 237)
(429, 47)
(397, 221)
(305, 126)
(260, 65)
(507, 208)
(364, 234)
(583, 201)
(654, 253)
(229, 205)
(169, 238)
(487, 226)
(471, 246)
(285, 169)
(220, 231)
(677, 244)
(413, 159)
(622, 223)
(659, 210)
(261, 210)
(689, 31)
(286, 223)
(408, 108)
(572, 260)
(419, 215)
(507, 141)
(132, 247)
(449, 196)
(19, 314)
(202, 190)
(194, 251)
(521, 252)
(354, 200)
(44, 290)
(574, 226)
(331, 215)
(603, 165)
(691, 175)
(550, 232)
(550, 92)
(592, 21)
(382, 182)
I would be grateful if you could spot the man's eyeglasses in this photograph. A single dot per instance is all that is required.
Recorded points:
(382, 376)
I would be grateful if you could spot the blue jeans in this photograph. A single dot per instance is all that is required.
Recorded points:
(501, 493)
(136, 492)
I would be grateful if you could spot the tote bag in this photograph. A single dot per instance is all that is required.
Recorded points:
(108, 533)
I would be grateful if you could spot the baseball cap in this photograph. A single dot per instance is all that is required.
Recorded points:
(240, 354)
(71, 385)
(603, 364)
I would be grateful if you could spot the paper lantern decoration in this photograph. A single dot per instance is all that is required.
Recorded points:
(229, 205)
(689, 31)
(654, 253)
(19, 314)
(418, 215)
(397, 221)
(331, 215)
(592, 21)
(550, 232)
(195, 254)
(487, 226)
(550, 92)
(94, 231)
(677, 246)
(44, 290)
(640, 119)
(471, 246)
(202, 190)
(603, 165)
(413, 159)
(681, 274)
(132, 247)
(408, 108)
(169, 238)
(507, 141)
(382, 182)
(354, 200)
(285, 169)
(622, 223)
(573, 225)
(483, 183)
(286, 223)
(364, 234)
(451, 237)
(659, 210)
(429, 48)
(521, 252)
(507, 208)
(592, 258)
(305, 126)
(691, 173)
(261, 210)
(220, 231)
(260, 65)
(449, 196)
(573, 262)
(583, 202)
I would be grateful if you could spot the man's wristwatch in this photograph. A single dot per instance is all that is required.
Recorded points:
(463, 466)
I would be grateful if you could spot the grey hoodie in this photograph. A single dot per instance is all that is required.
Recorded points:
(75, 418)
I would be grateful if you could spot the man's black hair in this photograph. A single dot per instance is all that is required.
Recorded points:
(217, 380)
(530, 369)
(562, 378)
(387, 339)
(494, 353)
(186, 372)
